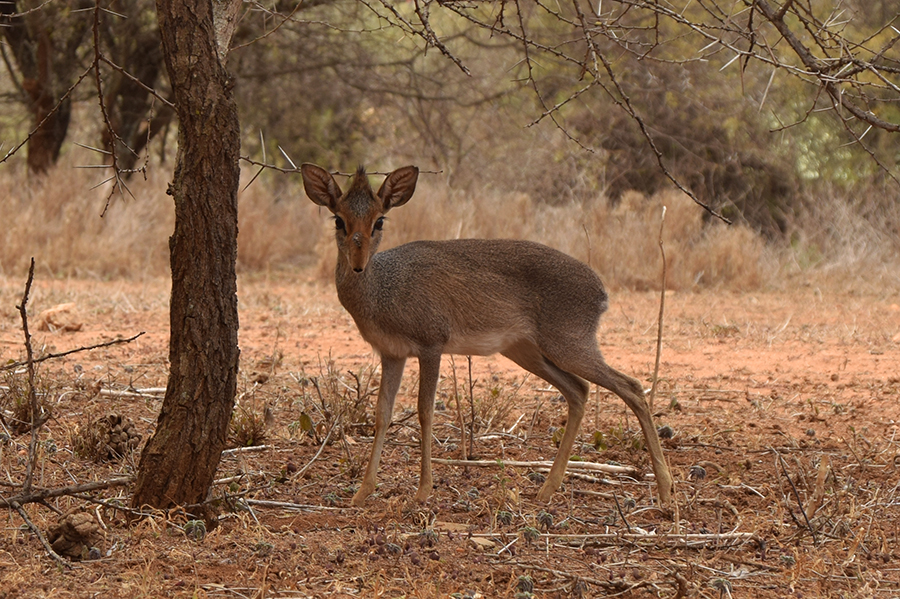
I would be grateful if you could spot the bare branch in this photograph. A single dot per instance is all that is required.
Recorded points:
(53, 356)
(32, 395)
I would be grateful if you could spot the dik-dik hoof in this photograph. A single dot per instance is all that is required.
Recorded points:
(422, 496)
(361, 495)
(545, 494)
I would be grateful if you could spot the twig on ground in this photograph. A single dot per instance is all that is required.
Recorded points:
(572, 465)
(692, 540)
(303, 470)
(799, 501)
(291, 506)
(37, 532)
(148, 392)
(621, 513)
(39, 495)
(252, 449)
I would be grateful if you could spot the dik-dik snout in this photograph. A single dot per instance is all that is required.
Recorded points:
(358, 242)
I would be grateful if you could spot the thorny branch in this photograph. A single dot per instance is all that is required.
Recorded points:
(52, 356)
(32, 396)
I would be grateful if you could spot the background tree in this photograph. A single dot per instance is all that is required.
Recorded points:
(47, 47)
(178, 463)
(135, 87)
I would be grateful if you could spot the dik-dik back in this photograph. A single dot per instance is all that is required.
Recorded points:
(471, 296)
(537, 306)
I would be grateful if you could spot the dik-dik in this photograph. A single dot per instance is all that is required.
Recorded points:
(537, 306)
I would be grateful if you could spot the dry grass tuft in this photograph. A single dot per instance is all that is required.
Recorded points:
(247, 427)
(56, 219)
(15, 401)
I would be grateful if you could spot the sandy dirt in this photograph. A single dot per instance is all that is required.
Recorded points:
(783, 410)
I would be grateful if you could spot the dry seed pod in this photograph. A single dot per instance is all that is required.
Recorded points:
(108, 438)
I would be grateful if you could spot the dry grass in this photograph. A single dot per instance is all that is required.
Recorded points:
(57, 220)
(620, 242)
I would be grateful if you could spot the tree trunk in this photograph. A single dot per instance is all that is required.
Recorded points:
(178, 463)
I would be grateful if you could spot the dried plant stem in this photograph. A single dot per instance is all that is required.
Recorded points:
(662, 305)
(589, 466)
(472, 406)
(621, 513)
(799, 501)
(32, 396)
(459, 412)
(303, 470)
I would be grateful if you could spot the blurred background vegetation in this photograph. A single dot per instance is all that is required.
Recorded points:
(522, 142)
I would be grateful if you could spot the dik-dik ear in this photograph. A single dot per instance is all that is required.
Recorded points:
(398, 187)
(320, 186)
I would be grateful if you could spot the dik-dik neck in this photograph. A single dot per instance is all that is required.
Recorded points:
(354, 288)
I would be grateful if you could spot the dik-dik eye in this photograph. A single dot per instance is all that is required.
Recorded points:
(379, 224)
(339, 224)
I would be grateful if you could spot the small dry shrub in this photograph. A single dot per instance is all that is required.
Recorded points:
(247, 427)
(15, 401)
(847, 242)
(342, 397)
(278, 225)
(334, 406)
(698, 253)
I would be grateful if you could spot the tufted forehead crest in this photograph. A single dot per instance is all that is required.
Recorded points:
(360, 197)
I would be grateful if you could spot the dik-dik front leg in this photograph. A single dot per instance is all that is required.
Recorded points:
(429, 371)
(391, 374)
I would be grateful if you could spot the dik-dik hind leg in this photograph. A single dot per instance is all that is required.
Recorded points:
(632, 393)
(574, 389)
(429, 371)
(391, 374)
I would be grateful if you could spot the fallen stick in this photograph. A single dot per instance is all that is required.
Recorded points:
(681, 540)
(15, 365)
(151, 392)
(291, 506)
(251, 449)
(37, 532)
(42, 494)
(572, 465)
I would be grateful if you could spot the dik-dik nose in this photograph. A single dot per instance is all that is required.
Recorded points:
(358, 258)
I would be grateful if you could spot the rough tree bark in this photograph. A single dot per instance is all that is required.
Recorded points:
(179, 461)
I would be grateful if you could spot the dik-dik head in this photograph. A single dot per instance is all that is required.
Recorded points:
(358, 213)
